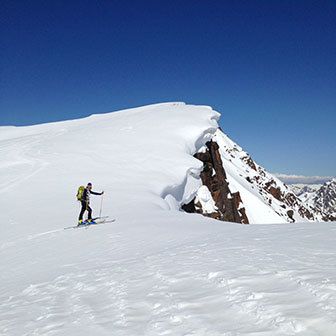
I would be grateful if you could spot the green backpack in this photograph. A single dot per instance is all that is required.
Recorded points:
(80, 193)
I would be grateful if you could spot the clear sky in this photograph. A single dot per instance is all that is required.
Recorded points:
(268, 66)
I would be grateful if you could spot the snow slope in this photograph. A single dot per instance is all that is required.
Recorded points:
(253, 183)
(141, 157)
(156, 270)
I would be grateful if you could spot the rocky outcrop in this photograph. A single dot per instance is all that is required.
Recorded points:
(239, 206)
(229, 170)
(228, 205)
(290, 199)
(249, 162)
(323, 199)
(290, 214)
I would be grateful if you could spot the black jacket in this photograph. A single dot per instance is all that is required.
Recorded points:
(87, 193)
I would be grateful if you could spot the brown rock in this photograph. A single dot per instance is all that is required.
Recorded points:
(218, 187)
(250, 162)
(290, 214)
(276, 193)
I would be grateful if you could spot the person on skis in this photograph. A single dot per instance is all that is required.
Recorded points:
(85, 201)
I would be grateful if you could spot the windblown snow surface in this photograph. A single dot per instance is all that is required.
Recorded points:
(155, 270)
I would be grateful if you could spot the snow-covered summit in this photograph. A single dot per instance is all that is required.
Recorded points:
(323, 199)
(141, 157)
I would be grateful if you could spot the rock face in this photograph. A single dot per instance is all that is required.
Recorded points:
(227, 205)
(323, 200)
(236, 189)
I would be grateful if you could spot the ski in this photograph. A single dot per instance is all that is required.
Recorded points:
(90, 224)
(95, 219)
(102, 217)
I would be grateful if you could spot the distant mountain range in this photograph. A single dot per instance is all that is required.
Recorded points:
(320, 196)
(301, 188)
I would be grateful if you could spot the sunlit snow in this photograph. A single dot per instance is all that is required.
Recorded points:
(156, 270)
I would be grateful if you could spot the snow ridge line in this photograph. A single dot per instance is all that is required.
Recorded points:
(177, 195)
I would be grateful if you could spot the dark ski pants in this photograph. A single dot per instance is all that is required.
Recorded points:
(85, 207)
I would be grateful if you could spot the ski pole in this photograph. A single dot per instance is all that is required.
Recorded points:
(101, 205)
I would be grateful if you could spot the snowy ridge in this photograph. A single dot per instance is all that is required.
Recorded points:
(265, 198)
(155, 270)
(323, 199)
(237, 189)
(132, 154)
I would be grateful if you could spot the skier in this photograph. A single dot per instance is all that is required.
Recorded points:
(85, 201)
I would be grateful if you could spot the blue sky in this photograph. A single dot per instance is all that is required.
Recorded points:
(268, 66)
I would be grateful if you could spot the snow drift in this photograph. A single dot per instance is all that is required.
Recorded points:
(141, 157)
